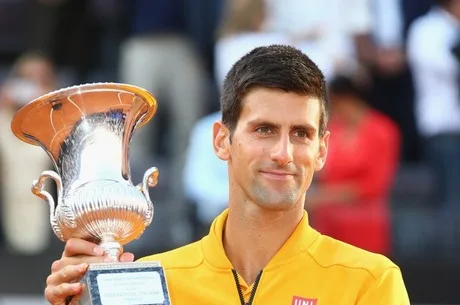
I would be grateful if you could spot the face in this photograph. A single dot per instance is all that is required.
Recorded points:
(275, 148)
(39, 72)
(34, 78)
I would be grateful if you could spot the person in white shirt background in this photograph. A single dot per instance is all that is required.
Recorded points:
(436, 72)
(24, 216)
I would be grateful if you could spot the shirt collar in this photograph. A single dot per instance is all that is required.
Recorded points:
(213, 249)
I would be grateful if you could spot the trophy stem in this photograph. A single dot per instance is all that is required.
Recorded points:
(111, 247)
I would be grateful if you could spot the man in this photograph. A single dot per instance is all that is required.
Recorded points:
(23, 215)
(436, 71)
(261, 249)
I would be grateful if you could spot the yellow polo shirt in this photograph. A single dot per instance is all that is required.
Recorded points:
(309, 269)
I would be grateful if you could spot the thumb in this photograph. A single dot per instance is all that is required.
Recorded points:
(127, 257)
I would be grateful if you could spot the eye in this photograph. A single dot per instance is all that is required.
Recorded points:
(264, 130)
(301, 134)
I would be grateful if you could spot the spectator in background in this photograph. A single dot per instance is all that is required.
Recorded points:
(205, 176)
(411, 10)
(159, 56)
(350, 199)
(243, 27)
(385, 59)
(25, 217)
(431, 43)
(325, 30)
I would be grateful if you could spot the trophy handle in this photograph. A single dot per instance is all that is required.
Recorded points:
(150, 180)
(38, 190)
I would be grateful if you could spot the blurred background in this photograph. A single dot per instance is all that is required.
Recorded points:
(392, 181)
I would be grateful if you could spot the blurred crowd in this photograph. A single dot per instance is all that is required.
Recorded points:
(392, 179)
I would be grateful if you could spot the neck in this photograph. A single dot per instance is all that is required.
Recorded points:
(254, 235)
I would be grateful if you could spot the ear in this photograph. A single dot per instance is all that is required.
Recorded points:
(322, 153)
(221, 140)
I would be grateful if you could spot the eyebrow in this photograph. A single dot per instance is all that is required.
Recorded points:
(258, 122)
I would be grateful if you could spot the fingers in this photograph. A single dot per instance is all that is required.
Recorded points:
(127, 257)
(76, 298)
(78, 251)
(56, 266)
(75, 246)
(65, 272)
(66, 275)
(75, 260)
(58, 294)
(63, 284)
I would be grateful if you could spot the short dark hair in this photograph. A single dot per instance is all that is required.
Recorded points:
(443, 2)
(346, 86)
(278, 67)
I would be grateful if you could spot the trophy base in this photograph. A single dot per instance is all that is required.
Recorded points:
(125, 284)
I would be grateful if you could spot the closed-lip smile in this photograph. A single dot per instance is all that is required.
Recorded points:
(277, 174)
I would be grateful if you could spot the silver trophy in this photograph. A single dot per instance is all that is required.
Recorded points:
(86, 131)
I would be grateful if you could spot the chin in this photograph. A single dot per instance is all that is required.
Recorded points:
(269, 199)
(277, 205)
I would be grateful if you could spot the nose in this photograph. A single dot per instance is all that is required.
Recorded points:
(282, 151)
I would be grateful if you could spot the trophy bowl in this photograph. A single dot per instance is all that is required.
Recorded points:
(86, 131)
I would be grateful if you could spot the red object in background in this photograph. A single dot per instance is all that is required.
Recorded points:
(367, 160)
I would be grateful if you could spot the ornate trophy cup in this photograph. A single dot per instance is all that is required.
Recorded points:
(86, 131)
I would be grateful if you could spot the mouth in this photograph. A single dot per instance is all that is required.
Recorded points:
(277, 175)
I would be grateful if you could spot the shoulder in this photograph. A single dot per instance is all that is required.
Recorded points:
(376, 278)
(423, 25)
(188, 256)
(330, 253)
(426, 21)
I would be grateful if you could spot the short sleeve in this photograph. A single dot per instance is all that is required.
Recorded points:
(389, 288)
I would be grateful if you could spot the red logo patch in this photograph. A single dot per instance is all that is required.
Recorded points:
(303, 301)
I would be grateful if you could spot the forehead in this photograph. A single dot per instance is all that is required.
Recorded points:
(280, 107)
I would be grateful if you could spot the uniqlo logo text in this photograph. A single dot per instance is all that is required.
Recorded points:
(303, 301)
